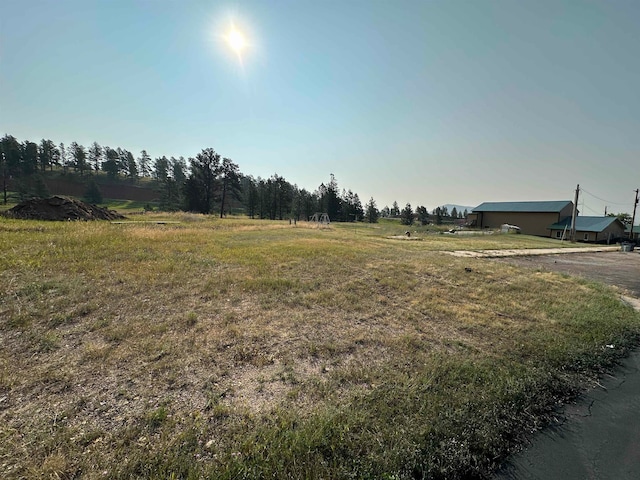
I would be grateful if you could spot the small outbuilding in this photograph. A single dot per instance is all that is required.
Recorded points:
(590, 229)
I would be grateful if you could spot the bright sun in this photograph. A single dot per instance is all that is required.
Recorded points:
(236, 40)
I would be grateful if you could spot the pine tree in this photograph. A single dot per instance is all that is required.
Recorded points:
(250, 195)
(200, 186)
(110, 165)
(406, 216)
(144, 164)
(29, 158)
(63, 157)
(79, 156)
(395, 210)
(95, 156)
(371, 213)
(438, 214)
(423, 215)
(230, 182)
(161, 169)
(329, 199)
(40, 189)
(131, 166)
(93, 194)
(46, 153)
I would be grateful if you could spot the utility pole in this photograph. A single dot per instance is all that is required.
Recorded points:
(605, 210)
(574, 216)
(4, 177)
(633, 217)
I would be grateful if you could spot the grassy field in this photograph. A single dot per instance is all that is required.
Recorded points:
(127, 206)
(251, 349)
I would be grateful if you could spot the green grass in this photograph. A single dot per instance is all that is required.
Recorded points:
(241, 348)
(12, 201)
(127, 206)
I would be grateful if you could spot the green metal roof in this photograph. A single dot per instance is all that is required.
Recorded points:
(531, 207)
(586, 224)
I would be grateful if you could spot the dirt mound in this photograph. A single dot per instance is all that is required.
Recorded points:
(61, 209)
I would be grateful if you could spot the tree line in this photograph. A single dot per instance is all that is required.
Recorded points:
(206, 183)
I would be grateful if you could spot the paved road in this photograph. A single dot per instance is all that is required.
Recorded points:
(599, 436)
(614, 268)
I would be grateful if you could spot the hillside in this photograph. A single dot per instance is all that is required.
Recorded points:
(75, 185)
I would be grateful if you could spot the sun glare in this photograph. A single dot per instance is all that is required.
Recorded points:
(236, 40)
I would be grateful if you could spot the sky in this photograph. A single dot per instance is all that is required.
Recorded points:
(420, 102)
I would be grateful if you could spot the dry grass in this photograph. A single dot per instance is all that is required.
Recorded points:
(191, 349)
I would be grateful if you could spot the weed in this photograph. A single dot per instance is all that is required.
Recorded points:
(59, 319)
(191, 319)
(47, 342)
(156, 418)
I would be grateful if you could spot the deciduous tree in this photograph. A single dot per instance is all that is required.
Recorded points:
(625, 218)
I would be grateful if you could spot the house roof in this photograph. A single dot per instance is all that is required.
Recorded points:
(636, 229)
(586, 224)
(531, 207)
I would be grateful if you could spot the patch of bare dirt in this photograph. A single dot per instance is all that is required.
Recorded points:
(60, 208)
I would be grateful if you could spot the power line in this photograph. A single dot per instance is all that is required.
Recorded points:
(603, 200)
(590, 209)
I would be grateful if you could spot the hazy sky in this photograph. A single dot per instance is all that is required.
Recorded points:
(427, 102)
